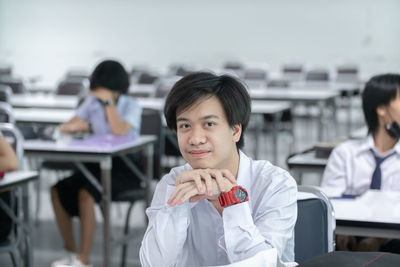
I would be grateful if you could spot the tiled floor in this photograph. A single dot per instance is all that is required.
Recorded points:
(47, 241)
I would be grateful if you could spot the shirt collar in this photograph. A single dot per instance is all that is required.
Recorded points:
(369, 144)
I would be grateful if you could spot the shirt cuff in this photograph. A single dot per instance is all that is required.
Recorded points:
(238, 214)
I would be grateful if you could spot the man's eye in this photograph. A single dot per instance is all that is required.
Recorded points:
(184, 126)
(209, 124)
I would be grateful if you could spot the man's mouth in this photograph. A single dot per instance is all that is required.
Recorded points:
(198, 153)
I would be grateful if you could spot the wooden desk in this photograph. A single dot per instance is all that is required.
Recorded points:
(102, 153)
(22, 178)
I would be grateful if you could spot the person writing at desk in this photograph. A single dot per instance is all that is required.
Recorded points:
(222, 206)
(8, 162)
(106, 110)
(356, 166)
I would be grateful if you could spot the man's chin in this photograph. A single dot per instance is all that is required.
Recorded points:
(199, 164)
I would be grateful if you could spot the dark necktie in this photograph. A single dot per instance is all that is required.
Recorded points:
(377, 175)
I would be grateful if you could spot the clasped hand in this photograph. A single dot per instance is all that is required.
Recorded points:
(201, 184)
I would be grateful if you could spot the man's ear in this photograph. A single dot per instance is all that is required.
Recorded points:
(237, 132)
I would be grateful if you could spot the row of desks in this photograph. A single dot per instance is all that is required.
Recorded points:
(321, 98)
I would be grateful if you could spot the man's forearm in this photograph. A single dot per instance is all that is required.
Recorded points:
(163, 241)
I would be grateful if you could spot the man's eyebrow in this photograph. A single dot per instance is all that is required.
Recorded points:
(200, 119)
(209, 117)
(181, 119)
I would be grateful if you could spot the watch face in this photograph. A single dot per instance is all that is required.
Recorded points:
(241, 195)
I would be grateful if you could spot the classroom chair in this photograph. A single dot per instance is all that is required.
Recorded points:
(317, 75)
(315, 225)
(17, 85)
(255, 77)
(293, 71)
(6, 114)
(5, 70)
(347, 73)
(72, 86)
(5, 93)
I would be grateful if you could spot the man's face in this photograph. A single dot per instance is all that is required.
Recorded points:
(205, 138)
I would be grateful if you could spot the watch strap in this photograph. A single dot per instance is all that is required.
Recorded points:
(231, 197)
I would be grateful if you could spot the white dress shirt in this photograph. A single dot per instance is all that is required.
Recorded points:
(352, 163)
(195, 234)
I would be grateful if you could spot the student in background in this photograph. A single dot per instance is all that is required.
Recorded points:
(221, 207)
(107, 110)
(356, 166)
(8, 162)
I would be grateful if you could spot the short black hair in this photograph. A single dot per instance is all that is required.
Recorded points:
(111, 75)
(379, 90)
(230, 92)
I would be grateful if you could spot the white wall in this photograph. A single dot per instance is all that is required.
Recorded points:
(45, 37)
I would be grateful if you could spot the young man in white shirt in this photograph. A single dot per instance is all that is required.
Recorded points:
(356, 166)
(220, 207)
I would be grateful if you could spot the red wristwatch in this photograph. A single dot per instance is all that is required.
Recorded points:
(237, 195)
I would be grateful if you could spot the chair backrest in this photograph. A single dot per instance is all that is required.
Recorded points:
(77, 74)
(5, 93)
(152, 124)
(281, 83)
(147, 78)
(314, 230)
(6, 114)
(293, 71)
(233, 65)
(347, 73)
(317, 75)
(14, 137)
(17, 86)
(72, 86)
(255, 77)
(180, 70)
(5, 70)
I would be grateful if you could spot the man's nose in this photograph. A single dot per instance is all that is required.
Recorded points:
(197, 137)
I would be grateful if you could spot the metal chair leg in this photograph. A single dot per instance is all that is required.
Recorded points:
(126, 232)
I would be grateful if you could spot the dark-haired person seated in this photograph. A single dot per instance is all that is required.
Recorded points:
(107, 110)
(221, 207)
(356, 166)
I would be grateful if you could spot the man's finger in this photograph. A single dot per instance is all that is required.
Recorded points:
(208, 181)
(227, 174)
